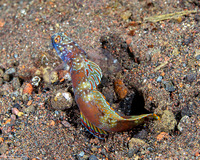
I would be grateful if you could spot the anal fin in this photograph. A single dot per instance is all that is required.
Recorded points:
(97, 132)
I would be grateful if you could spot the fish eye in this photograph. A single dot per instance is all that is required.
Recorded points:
(57, 39)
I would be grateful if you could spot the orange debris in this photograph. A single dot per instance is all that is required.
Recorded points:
(2, 22)
(29, 102)
(120, 88)
(162, 135)
(28, 88)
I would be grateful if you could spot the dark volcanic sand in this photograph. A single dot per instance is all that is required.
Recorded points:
(159, 63)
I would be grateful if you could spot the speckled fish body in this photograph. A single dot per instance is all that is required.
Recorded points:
(96, 114)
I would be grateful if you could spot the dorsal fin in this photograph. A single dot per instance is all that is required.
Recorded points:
(97, 132)
(93, 73)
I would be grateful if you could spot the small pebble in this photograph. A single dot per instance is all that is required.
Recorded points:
(182, 125)
(136, 142)
(1, 72)
(175, 51)
(4, 148)
(159, 79)
(169, 86)
(126, 14)
(18, 98)
(28, 88)
(150, 149)
(15, 93)
(54, 77)
(25, 97)
(94, 149)
(131, 152)
(103, 151)
(93, 157)
(17, 112)
(197, 54)
(198, 57)
(16, 83)
(197, 17)
(189, 109)
(15, 55)
(1, 140)
(29, 109)
(191, 77)
(50, 76)
(10, 136)
(81, 154)
(1, 81)
(52, 123)
(13, 117)
(17, 105)
(29, 102)
(23, 11)
(115, 61)
(67, 76)
(6, 77)
(30, 98)
(66, 124)
(10, 71)
(20, 114)
(57, 113)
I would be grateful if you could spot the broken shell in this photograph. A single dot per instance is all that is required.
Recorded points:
(62, 100)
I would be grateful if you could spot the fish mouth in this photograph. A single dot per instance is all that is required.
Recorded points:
(52, 41)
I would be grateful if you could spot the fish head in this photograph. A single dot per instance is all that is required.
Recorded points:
(63, 45)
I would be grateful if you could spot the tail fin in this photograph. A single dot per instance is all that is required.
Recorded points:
(139, 117)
